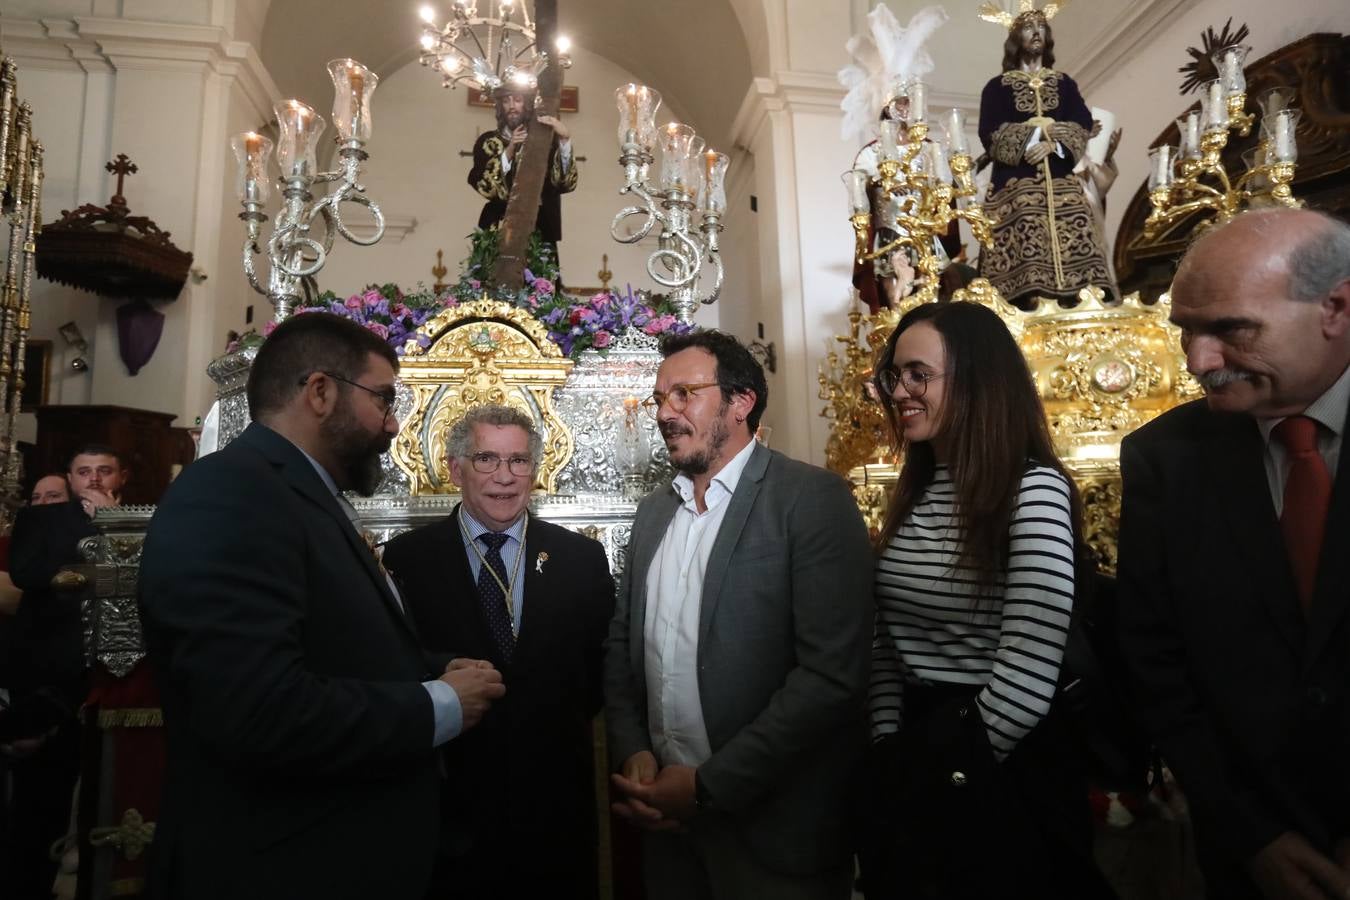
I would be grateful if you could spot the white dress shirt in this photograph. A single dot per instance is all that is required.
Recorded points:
(670, 630)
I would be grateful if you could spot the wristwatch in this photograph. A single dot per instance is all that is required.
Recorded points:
(702, 799)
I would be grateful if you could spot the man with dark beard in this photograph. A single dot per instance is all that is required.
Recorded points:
(494, 165)
(302, 717)
(737, 662)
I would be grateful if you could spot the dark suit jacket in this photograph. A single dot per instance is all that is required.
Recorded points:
(785, 631)
(1247, 702)
(486, 178)
(528, 767)
(40, 646)
(300, 759)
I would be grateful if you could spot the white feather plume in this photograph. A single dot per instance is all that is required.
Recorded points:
(886, 53)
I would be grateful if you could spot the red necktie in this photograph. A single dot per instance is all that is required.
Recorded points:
(1307, 496)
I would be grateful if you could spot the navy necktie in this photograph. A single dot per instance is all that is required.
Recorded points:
(493, 597)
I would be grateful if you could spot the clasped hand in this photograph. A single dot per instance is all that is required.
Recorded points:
(653, 798)
(477, 684)
(521, 132)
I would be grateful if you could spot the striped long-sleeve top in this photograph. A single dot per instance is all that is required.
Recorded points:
(934, 627)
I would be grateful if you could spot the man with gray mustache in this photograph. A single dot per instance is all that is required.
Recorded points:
(1234, 580)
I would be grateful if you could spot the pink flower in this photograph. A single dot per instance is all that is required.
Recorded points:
(659, 324)
(401, 311)
(542, 286)
(599, 300)
(379, 329)
(371, 298)
(602, 339)
(268, 327)
(353, 302)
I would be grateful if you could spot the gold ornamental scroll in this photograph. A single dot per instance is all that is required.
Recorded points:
(482, 352)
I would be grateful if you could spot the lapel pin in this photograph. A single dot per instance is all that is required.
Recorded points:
(539, 562)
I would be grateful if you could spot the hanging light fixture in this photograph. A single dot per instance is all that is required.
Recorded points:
(489, 51)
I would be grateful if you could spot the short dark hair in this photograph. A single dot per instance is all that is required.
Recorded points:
(307, 343)
(737, 369)
(95, 449)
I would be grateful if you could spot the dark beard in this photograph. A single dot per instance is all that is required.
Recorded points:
(357, 452)
(699, 461)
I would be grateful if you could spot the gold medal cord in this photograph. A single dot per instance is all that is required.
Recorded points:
(508, 586)
(1049, 187)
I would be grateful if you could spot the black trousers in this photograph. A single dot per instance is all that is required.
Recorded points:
(39, 814)
(947, 821)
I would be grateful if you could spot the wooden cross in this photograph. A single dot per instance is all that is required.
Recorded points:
(122, 166)
(522, 207)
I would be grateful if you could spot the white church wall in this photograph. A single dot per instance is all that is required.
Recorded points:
(1143, 91)
(415, 172)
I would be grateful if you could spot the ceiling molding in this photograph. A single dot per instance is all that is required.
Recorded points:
(1120, 40)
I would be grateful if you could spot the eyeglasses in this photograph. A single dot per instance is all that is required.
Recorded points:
(677, 397)
(487, 463)
(914, 380)
(383, 399)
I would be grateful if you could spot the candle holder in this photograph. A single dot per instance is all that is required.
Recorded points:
(921, 186)
(497, 48)
(1192, 178)
(692, 181)
(294, 254)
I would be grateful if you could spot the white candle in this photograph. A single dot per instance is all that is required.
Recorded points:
(1189, 129)
(1215, 106)
(889, 148)
(1285, 147)
(918, 101)
(855, 182)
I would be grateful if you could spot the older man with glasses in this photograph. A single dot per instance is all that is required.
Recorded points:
(493, 582)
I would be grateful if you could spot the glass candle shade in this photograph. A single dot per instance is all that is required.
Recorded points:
(353, 84)
(1228, 62)
(1160, 167)
(957, 142)
(712, 195)
(637, 115)
(1274, 100)
(251, 150)
(1189, 129)
(855, 182)
(300, 129)
(1213, 107)
(890, 149)
(918, 101)
(680, 148)
(1279, 131)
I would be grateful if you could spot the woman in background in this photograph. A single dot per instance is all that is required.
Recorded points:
(975, 581)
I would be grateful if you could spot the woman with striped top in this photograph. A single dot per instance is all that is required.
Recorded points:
(974, 587)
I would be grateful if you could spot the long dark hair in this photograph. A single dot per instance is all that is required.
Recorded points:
(1012, 48)
(994, 426)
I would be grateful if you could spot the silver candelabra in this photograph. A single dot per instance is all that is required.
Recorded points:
(691, 179)
(295, 255)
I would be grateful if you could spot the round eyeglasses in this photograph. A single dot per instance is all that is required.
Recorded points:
(678, 397)
(487, 463)
(914, 380)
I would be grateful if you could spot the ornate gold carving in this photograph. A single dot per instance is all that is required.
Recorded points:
(486, 351)
(130, 838)
(1101, 371)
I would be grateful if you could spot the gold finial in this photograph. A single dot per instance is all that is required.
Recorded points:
(439, 271)
(604, 274)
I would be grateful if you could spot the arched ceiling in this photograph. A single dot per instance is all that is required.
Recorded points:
(696, 45)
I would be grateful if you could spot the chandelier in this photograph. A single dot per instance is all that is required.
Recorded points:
(692, 184)
(489, 51)
(1191, 176)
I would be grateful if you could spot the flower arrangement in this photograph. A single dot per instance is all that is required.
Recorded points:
(575, 324)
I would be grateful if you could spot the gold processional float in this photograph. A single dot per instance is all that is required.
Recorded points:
(1102, 368)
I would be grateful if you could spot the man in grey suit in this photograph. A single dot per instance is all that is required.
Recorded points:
(737, 661)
